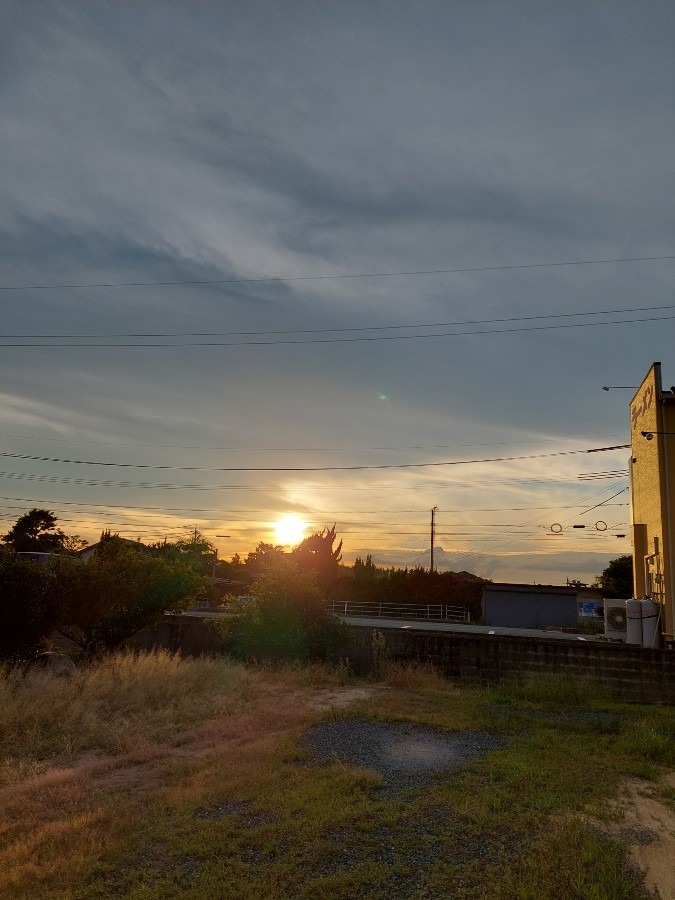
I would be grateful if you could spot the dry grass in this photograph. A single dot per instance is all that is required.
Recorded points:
(84, 758)
(414, 677)
(119, 704)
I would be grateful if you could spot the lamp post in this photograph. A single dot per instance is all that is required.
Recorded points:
(649, 435)
(619, 387)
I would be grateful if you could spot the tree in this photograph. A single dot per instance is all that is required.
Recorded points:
(287, 619)
(264, 558)
(119, 591)
(35, 531)
(196, 552)
(317, 554)
(616, 581)
(31, 606)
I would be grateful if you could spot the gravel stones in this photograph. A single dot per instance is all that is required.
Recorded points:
(406, 756)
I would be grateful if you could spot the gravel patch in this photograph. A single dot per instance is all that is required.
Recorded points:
(245, 819)
(406, 756)
(637, 836)
(222, 809)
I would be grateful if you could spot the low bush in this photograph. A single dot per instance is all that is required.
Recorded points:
(287, 619)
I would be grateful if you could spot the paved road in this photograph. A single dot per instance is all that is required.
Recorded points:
(424, 625)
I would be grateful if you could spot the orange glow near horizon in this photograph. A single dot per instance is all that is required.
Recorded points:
(290, 530)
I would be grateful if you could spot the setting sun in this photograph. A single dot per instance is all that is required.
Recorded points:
(290, 530)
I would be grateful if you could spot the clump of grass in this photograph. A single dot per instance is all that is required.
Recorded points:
(549, 691)
(414, 676)
(578, 862)
(309, 675)
(114, 705)
(652, 742)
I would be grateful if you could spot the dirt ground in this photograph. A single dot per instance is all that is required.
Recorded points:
(647, 826)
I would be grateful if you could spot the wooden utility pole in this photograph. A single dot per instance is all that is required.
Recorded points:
(433, 533)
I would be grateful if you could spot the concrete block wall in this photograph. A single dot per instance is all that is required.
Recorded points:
(630, 673)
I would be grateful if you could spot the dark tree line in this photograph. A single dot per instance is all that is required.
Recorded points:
(97, 604)
(127, 586)
(370, 584)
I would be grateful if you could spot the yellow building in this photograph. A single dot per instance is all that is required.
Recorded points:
(652, 419)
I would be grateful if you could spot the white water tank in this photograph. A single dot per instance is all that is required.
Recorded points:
(634, 622)
(650, 622)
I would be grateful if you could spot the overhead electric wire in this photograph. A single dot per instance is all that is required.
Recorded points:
(342, 340)
(261, 520)
(599, 312)
(62, 479)
(472, 553)
(325, 514)
(335, 277)
(247, 449)
(422, 465)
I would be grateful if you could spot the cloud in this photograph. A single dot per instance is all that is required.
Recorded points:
(153, 144)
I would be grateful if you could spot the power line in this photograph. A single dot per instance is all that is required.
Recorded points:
(343, 340)
(247, 449)
(166, 334)
(325, 514)
(424, 465)
(171, 486)
(290, 278)
(470, 554)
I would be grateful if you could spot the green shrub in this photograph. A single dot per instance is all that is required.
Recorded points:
(286, 620)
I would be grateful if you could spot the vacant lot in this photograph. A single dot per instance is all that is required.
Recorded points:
(154, 777)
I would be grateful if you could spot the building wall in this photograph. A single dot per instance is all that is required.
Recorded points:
(518, 608)
(652, 502)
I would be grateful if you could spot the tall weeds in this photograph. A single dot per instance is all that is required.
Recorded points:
(115, 705)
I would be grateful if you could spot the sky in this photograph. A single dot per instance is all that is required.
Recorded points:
(371, 235)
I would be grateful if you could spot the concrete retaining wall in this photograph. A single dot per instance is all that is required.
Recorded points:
(631, 673)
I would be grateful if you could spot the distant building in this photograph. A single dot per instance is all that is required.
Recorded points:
(652, 469)
(39, 557)
(538, 606)
(87, 553)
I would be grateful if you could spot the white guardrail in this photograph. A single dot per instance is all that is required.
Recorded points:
(435, 611)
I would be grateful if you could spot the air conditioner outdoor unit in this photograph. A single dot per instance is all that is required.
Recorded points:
(616, 621)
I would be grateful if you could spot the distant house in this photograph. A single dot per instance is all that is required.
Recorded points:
(89, 551)
(38, 557)
(537, 606)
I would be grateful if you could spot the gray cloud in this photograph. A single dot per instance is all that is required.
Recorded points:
(155, 142)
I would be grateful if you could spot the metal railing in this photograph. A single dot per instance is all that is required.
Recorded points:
(440, 612)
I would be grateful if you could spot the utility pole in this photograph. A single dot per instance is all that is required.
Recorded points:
(215, 560)
(433, 533)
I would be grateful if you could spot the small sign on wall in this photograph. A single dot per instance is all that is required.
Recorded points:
(588, 609)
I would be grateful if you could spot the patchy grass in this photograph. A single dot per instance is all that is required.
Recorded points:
(149, 776)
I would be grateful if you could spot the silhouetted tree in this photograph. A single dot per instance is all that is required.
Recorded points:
(616, 581)
(318, 554)
(31, 606)
(264, 557)
(35, 531)
(119, 591)
(196, 552)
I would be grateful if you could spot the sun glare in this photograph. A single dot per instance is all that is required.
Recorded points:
(290, 530)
